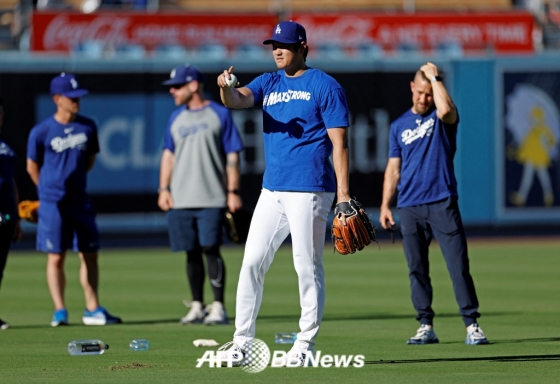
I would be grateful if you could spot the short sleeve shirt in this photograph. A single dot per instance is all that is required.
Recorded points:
(426, 147)
(297, 111)
(200, 139)
(63, 152)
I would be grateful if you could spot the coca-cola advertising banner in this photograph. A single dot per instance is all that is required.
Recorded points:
(55, 31)
(505, 32)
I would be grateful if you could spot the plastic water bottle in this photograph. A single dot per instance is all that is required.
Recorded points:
(87, 347)
(139, 345)
(285, 337)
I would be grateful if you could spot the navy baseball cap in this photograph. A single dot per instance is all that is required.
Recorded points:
(184, 74)
(67, 85)
(287, 32)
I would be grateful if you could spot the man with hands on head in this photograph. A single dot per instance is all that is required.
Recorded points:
(305, 119)
(422, 145)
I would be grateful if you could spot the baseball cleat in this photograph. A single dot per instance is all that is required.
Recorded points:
(196, 313)
(475, 336)
(230, 355)
(293, 358)
(424, 335)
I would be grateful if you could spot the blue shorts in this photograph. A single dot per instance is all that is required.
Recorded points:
(190, 229)
(63, 226)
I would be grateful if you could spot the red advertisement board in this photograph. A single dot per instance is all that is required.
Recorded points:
(504, 32)
(55, 31)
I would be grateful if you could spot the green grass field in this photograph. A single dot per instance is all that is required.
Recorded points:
(368, 312)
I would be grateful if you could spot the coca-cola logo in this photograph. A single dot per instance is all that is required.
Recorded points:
(342, 30)
(63, 33)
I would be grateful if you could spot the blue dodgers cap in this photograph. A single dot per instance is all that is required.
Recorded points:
(67, 85)
(287, 32)
(184, 74)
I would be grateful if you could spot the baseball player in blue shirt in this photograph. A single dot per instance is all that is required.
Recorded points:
(60, 152)
(10, 229)
(305, 118)
(422, 144)
(199, 178)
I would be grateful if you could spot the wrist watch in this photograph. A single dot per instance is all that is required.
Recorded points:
(234, 191)
(435, 78)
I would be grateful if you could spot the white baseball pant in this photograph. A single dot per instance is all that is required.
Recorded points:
(277, 214)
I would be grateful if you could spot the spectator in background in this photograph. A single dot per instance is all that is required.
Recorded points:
(10, 230)
(60, 152)
(199, 178)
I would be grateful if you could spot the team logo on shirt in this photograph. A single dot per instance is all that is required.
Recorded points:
(423, 129)
(59, 144)
(188, 130)
(284, 97)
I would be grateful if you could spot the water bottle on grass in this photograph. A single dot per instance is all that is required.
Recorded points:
(87, 347)
(139, 345)
(285, 337)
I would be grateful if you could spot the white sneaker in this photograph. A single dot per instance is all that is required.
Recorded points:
(230, 354)
(293, 358)
(4, 325)
(195, 315)
(424, 335)
(216, 314)
(475, 336)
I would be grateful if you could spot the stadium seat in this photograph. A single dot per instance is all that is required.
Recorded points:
(212, 51)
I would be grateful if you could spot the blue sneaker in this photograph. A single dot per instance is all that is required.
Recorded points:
(99, 317)
(475, 336)
(424, 335)
(60, 317)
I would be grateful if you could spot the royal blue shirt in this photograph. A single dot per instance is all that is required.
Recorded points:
(297, 111)
(7, 173)
(63, 152)
(426, 147)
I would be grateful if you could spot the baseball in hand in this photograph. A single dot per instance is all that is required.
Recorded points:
(232, 81)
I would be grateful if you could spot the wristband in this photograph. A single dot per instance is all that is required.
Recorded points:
(161, 189)
(234, 191)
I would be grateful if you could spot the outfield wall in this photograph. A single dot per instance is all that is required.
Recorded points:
(508, 108)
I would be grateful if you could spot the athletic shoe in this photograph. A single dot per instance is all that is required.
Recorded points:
(60, 317)
(293, 358)
(424, 335)
(195, 315)
(216, 314)
(230, 352)
(100, 316)
(4, 325)
(475, 336)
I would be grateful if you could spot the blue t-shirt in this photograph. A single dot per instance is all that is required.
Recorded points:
(63, 152)
(426, 147)
(297, 111)
(7, 173)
